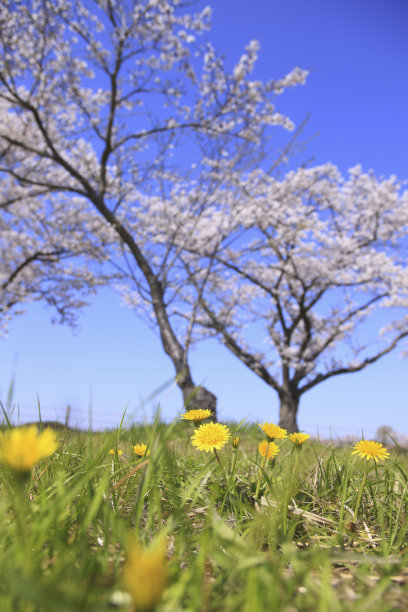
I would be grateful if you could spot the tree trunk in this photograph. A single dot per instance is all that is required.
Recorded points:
(197, 397)
(289, 403)
(194, 397)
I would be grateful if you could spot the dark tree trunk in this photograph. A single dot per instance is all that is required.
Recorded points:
(197, 397)
(289, 404)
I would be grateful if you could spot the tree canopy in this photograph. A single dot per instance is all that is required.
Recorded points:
(297, 273)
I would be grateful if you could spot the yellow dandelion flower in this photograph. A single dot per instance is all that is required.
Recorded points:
(211, 436)
(273, 432)
(235, 442)
(140, 449)
(145, 575)
(23, 447)
(273, 449)
(197, 415)
(298, 439)
(370, 450)
(112, 452)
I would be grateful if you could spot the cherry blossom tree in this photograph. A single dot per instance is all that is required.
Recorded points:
(111, 102)
(36, 264)
(304, 271)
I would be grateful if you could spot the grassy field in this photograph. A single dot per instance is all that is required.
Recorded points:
(183, 527)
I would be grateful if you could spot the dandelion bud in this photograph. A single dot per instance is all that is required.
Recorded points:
(235, 443)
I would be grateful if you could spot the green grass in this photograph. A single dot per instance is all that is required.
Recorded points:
(297, 548)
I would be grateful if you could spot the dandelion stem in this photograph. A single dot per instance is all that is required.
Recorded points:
(296, 462)
(220, 464)
(233, 467)
(258, 484)
(18, 495)
(360, 493)
(231, 476)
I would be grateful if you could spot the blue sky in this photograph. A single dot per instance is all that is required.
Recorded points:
(356, 94)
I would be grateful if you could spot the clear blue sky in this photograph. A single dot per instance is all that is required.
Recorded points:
(356, 94)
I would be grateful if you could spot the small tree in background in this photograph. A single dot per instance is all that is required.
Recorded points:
(301, 270)
(385, 435)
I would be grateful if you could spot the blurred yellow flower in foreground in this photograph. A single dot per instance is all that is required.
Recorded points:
(23, 447)
(298, 438)
(370, 450)
(140, 449)
(210, 437)
(145, 575)
(273, 449)
(273, 432)
(197, 415)
(112, 452)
